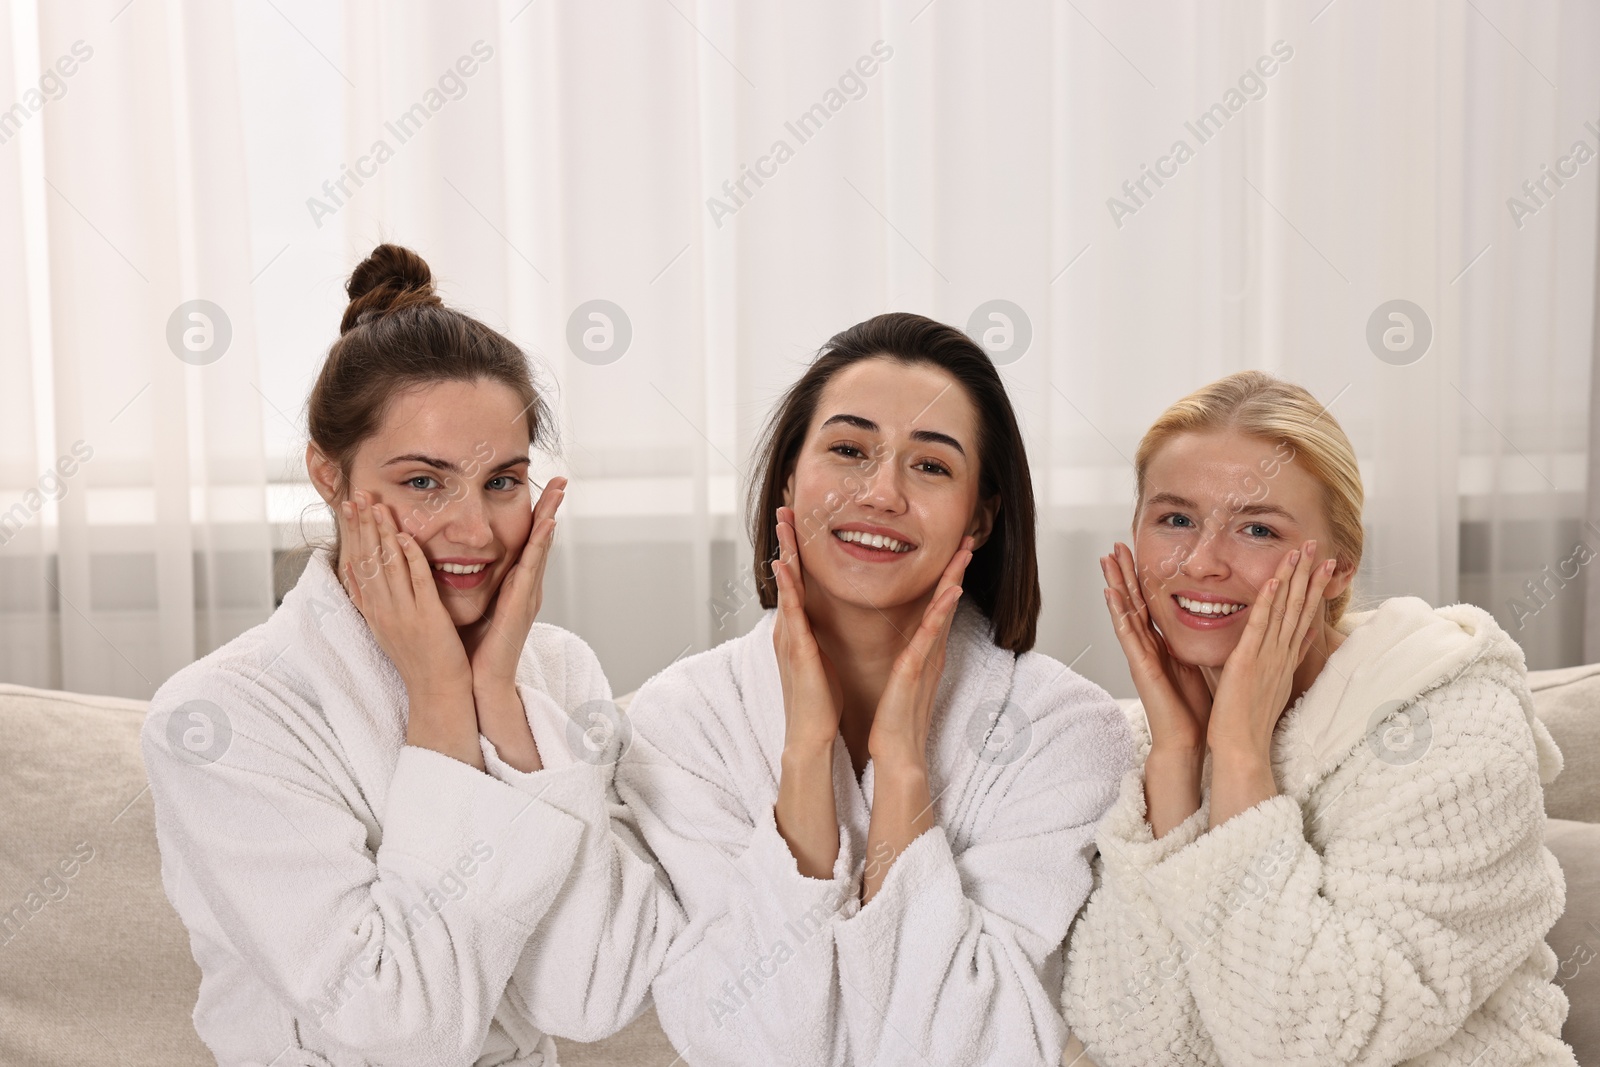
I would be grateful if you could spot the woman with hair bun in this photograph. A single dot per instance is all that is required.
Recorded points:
(377, 813)
(1332, 852)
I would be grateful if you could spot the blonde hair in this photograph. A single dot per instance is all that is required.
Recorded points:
(1259, 405)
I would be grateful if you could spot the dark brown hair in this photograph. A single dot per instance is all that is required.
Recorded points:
(1003, 577)
(397, 335)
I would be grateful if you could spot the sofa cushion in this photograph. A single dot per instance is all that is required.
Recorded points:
(640, 1042)
(1567, 701)
(1576, 935)
(94, 963)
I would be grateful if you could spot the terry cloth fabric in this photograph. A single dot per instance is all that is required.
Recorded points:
(351, 899)
(1388, 907)
(957, 959)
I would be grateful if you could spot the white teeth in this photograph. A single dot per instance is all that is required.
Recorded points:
(459, 568)
(1206, 607)
(872, 540)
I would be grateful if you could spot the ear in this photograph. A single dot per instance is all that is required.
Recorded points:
(324, 474)
(982, 524)
(788, 491)
(1343, 575)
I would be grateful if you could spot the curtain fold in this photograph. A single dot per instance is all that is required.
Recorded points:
(725, 186)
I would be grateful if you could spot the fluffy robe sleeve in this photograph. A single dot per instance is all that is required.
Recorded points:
(399, 955)
(753, 971)
(586, 971)
(1362, 928)
(502, 896)
(955, 961)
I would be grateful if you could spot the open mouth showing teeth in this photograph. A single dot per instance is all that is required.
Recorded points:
(869, 540)
(1208, 608)
(459, 568)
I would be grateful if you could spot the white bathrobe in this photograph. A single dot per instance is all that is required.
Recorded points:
(1388, 906)
(354, 900)
(957, 959)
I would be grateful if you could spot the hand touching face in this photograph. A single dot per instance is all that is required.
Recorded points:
(451, 462)
(886, 486)
(1219, 513)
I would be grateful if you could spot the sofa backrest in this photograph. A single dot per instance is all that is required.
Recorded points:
(1568, 703)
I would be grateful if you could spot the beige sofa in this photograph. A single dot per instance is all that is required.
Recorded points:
(95, 966)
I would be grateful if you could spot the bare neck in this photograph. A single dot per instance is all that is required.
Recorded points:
(862, 644)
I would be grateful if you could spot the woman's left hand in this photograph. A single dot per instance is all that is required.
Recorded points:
(900, 727)
(495, 642)
(1258, 676)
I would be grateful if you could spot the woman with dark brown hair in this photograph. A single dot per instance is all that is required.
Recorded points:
(377, 813)
(877, 808)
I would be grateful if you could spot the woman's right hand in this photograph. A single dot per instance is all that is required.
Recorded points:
(1177, 701)
(812, 697)
(391, 583)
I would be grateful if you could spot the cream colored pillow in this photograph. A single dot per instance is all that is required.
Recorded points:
(94, 963)
(1567, 701)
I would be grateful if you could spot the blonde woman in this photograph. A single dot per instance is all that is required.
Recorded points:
(1332, 850)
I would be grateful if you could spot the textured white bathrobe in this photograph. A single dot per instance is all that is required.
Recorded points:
(351, 899)
(1389, 906)
(957, 959)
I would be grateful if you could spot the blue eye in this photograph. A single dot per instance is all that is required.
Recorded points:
(1261, 526)
(511, 480)
(1174, 515)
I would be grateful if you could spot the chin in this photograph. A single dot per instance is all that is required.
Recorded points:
(867, 595)
(465, 613)
(1197, 650)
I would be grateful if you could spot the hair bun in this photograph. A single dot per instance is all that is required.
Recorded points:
(389, 279)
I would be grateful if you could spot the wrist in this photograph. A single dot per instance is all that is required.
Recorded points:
(898, 765)
(494, 688)
(805, 752)
(1177, 754)
(446, 684)
(1231, 755)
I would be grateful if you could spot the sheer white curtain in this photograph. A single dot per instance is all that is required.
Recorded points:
(740, 183)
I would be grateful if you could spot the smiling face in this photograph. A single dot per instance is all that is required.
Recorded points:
(885, 486)
(451, 462)
(1220, 511)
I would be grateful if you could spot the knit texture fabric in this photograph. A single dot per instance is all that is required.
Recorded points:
(1388, 907)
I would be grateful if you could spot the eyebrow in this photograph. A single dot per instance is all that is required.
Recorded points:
(446, 465)
(1177, 501)
(929, 436)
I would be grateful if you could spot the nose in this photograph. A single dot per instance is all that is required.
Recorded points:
(882, 489)
(1204, 558)
(464, 520)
